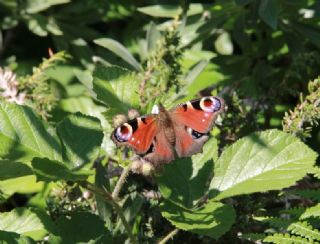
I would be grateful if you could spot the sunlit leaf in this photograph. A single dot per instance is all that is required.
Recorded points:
(23, 135)
(30, 222)
(269, 160)
(117, 48)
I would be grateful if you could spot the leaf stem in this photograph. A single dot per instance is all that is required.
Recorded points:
(120, 183)
(108, 197)
(169, 236)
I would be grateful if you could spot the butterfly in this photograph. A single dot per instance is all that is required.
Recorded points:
(175, 133)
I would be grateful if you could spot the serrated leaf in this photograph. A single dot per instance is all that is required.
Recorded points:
(213, 219)
(311, 212)
(116, 87)
(305, 230)
(269, 11)
(12, 237)
(269, 160)
(81, 136)
(30, 222)
(23, 135)
(80, 227)
(10, 169)
(184, 180)
(51, 170)
(286, 239)
(118, 49)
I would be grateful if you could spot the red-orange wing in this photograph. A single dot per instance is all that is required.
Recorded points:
(137, 134)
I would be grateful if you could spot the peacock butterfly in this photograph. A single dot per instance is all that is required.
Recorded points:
(178, 132)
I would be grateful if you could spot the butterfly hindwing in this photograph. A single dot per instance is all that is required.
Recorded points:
(192, 123)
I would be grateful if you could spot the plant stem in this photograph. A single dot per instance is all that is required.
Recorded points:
(169, 236)
(120, 183)
(108, 197)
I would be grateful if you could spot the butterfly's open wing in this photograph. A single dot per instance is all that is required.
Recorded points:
(137, 134)
(146, 138)
(192, 123)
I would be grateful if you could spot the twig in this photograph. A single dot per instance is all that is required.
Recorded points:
(169, 236)
(120, 183)
(108, 197)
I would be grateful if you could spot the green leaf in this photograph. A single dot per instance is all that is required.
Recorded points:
(305, 230)
(35, 6)
(51, 170)
(269, 160)
(12, 237)
(23, 135)
(184, 180)
(81, 227)
(23, 185)
(37, 24)
(30, 222)
(170, 11)
(103, 207)
(195, 71)
(286, 239)
(269, 11)
(153, 35)
(118, 49)
(116, 87)
(10, 169)
(311, 212)
(213, 219)
(81, 137)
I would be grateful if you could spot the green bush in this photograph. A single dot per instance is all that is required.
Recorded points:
(62, 180)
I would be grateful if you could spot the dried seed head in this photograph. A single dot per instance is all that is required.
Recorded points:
(119, 119)
(133, 113)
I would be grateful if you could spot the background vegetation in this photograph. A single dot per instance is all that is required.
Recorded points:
(68, 67)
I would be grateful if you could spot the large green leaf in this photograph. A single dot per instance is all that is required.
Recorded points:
(81, 227)
(23, 135)
(212, 219)
(269, 160)
(29, 222)
(116, 87)
(184, 180)
(81, 137)
(117, 48)
(51, 170)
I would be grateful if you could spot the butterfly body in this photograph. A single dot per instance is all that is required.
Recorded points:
(178, 132)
